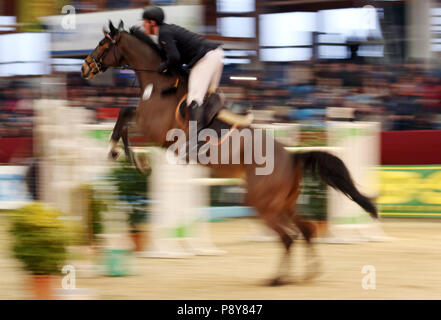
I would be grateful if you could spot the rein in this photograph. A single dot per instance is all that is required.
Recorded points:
(127, 67)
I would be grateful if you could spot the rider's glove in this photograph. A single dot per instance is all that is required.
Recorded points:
(163, 68)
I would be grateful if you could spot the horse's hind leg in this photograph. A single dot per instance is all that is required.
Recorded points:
(307, 230)
(275, 223)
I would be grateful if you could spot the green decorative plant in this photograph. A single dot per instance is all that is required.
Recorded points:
(95, 207)
(313, 137)
(136, 216)
(39, 239)
(132, 188)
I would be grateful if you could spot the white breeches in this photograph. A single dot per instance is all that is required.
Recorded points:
(205, 75)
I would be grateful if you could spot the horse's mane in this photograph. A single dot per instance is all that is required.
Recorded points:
(135, 31)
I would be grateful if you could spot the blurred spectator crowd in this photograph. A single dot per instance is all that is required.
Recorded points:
(401, 97)
(16, 110)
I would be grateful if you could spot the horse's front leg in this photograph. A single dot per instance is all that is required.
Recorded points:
(120, 130)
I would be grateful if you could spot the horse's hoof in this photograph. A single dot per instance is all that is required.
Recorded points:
(315, 268)
(113, 155)
(279, 281)
(310, 276)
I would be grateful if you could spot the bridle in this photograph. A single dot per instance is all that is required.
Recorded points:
(97, 65)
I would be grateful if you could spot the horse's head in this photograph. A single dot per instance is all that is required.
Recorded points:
(105, 54)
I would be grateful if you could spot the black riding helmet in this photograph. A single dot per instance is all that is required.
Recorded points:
(154, 13)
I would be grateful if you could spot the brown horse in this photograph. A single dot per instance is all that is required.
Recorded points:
(273, 195)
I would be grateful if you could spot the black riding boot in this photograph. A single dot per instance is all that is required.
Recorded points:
(197, 114)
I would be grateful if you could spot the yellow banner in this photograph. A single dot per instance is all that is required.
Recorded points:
(30, 10)
(410, 190)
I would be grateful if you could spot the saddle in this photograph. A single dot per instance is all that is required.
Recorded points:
(218, 118)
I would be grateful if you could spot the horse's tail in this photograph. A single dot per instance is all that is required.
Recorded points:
(333, 171)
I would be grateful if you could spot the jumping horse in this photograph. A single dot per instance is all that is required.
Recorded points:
(273, 195)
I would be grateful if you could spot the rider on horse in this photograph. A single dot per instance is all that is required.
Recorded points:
(183, 47)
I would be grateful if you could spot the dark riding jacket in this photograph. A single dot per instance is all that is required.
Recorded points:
(182, 46)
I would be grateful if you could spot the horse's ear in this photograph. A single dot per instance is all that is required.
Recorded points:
(121, 26)
(112, 28)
